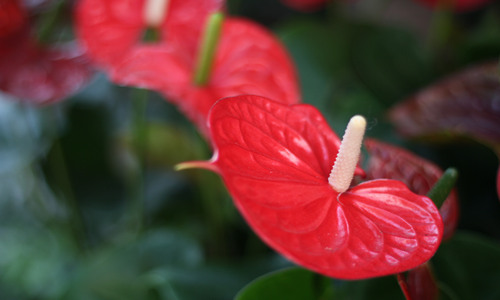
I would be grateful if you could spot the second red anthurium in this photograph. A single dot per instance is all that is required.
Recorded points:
(276, 161)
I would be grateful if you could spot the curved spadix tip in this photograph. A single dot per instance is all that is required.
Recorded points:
(347, 158)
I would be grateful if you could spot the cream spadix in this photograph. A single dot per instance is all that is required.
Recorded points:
(154, 12)
(348, 156)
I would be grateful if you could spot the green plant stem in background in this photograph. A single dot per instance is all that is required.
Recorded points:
(61, 176)
(440, 34)
(151, 35)
(139, 141)
(443, 187)
(213, 197)
(49, 21)
(207, 49)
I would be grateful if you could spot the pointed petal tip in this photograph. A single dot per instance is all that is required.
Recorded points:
(207, 165)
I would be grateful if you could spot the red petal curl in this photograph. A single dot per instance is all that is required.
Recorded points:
(249, 60)
(275, 161)
(418, 174)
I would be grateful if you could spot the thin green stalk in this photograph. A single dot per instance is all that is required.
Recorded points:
(61, 176)
(207, 49)
(211, 193)
(49, 21)
(139, 142)
(443, 186)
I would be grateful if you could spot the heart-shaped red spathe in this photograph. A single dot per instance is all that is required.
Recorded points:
(111, 29)
(419, 174)
(275, 160)
(248, 60)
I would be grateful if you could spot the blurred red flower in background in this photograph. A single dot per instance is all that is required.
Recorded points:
(33, 72)
(248, 59)
(113, 30)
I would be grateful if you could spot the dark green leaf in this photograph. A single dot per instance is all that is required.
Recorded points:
(468, 267)
(290, 284)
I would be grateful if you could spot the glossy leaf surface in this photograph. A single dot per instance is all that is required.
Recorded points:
(249, 60)
(458, 263)
(291, 283)
(110, 30)
(418, 174)
(275, 160)
(465, 104)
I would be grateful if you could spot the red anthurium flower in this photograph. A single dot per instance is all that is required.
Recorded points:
(249, 60)
(457, 5)
(305, 5)
(275, 160)
(111, 29)
(418, 174)
(12, 17)
(40, 74)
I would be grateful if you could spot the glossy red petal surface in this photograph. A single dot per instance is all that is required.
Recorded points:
(458, 5)
(418, 174)
(249, 60)
(41, 75)
(110, 29)
(465, 103)
(305, 5)
(275, 160)
(12, 17)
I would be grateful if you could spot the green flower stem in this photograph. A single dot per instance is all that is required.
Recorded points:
(207, 49)
(151, 35)
(441, 32)
(213, 197)
(61, 176)
(443, 187)
(139, 142)
(211, 194)
(49, 21)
